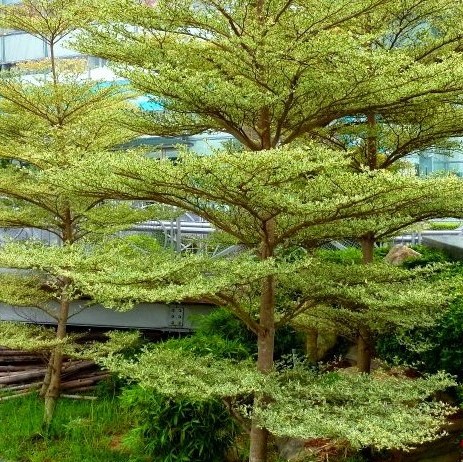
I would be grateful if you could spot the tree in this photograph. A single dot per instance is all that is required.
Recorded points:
(384, 137)
(372, 301)
(267, 201)
(425, 32)
(426, 200)
(272, 72)
(48, 118)
(276, 71)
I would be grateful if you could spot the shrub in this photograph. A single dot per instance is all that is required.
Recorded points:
(428, 257)
(177, 430)
(215, 345)
(222, 323)
(348, 256)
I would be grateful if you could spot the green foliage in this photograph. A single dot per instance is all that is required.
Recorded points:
(327, 69)
(146, 244)
(428, 256)
(311, 62)
(175, 429)
(214, 345)
(270, 73)
(110, 388)
(288, 340)
(223, 324)
(347, 256)
(28, 337)
(48, 121)
(431, 349)
(191, 429)
(177, 372)
(380, 296)
(380, 411)
(351, 255)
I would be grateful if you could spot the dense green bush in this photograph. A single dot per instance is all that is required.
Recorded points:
(353, 255)
(347, 256)
(222, 323)
(428, 257)
(213, 344)
(177, 430)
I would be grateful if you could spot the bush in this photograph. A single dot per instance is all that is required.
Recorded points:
(347, 256)
(222, 323)
(215, 345)
(177, 430)
(428, 257)
(353, 255)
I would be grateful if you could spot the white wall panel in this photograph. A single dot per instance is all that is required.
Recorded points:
(23, 47)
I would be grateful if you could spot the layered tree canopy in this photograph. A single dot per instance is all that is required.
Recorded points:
(324, 99)
(269, 72)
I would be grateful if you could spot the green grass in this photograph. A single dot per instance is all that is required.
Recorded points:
(83, 431)
(443, 225)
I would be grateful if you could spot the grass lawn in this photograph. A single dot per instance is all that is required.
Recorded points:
(443, 225)
(83, 431)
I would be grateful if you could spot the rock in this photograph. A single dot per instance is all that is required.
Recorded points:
(399, 253)
(351, 357)
(326, 342)
(297, 450)
(290, 448)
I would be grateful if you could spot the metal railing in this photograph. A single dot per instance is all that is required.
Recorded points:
(189, 233)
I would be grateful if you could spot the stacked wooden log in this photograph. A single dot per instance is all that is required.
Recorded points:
(22, 372)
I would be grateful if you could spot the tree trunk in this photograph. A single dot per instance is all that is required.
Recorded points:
(53, 389)
(259, 443)
(368, 249)
(46, 379)
(265, 345)
(55, 365)
(364, 350)
(372, 142)
(52, 381)
(364, 337)
(311, 345)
